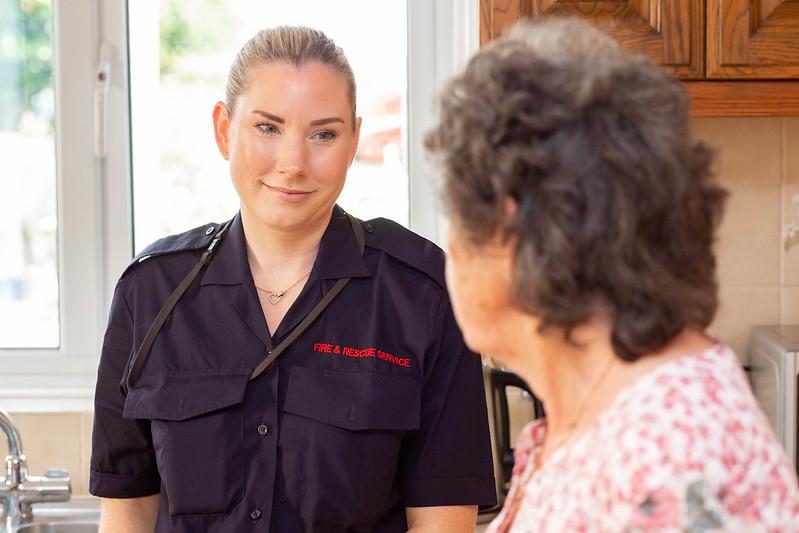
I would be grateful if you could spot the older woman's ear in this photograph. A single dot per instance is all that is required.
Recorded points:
(510, 239)
(509, 207)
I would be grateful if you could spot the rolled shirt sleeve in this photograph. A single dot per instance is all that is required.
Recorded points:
(123, 460)
(448, 460)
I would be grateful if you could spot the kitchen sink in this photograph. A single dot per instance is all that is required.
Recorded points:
(59, 527)
(81, 514)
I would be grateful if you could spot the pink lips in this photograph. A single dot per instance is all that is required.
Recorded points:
(288, 195)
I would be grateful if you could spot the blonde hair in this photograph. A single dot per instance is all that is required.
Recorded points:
(295, 45)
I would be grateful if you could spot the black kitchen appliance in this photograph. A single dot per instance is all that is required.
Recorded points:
(498, 382)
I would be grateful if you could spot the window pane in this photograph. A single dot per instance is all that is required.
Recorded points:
(180, 52)
(28, 235)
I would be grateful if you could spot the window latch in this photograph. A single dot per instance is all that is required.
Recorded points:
(102, 82)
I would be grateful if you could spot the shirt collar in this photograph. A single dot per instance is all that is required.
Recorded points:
(338, 255)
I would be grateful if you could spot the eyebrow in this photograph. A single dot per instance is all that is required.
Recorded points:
(317, 122)
(270, 116)
(328, 120)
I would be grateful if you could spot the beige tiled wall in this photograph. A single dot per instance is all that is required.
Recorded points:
(790, 214)
(55, 440)
(758, 162)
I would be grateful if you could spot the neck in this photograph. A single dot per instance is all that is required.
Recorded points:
(281, 252)
(575, 381)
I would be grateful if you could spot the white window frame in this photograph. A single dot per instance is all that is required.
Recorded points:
(95, 225)
(92, 192)
(442, 35)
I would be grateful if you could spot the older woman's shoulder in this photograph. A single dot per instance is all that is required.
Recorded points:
(693, 409)
(690, 437)
(407, 247)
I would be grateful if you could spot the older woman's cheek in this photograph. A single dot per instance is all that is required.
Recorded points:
(454, 287)
(469, 304)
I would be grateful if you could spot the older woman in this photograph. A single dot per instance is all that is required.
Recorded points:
(294, 369)
(582, 225)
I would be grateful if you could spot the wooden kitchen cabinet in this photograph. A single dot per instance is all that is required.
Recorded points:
(753, 39)
(669, 32)
(707, 43)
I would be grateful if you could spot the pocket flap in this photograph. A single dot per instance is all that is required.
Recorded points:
(183, 396)
(354, 400)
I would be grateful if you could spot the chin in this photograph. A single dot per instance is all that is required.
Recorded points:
(479, 342)
(504, 359)
(471, 343)
(499, 343)
(278, 215)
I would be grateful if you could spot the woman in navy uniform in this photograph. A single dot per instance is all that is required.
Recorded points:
(294, 369)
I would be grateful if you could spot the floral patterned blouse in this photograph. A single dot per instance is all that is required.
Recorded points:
(684, 448)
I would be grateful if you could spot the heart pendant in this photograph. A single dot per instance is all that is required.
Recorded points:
(274, 297)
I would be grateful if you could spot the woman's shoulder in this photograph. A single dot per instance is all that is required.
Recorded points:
(407, 247)
(193, 240)
(691, 431)
(690, 407)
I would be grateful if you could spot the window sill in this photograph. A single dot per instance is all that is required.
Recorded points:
(52, 384)
(47, 400)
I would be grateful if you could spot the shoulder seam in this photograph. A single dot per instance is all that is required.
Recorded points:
(161, 247)
(417, 252)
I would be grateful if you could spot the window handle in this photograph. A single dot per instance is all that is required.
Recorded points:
(102, 82)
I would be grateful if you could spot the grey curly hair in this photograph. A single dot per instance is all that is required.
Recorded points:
(615, 209)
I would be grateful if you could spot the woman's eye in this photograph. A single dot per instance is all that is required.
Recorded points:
(324, 136)
(266, 128)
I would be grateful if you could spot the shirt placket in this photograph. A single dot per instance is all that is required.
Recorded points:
(260, 440)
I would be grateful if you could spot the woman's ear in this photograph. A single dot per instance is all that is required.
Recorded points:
(221, 128)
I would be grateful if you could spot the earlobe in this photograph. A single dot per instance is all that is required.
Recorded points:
(221, 127)
(509, 206)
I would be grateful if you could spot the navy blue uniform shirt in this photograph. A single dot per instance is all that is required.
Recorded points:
(378, 405)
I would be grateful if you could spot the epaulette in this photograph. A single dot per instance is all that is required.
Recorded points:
(194, 239)
(406, 246)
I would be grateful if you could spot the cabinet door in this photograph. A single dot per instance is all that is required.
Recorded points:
(668, 31)
(753, 38)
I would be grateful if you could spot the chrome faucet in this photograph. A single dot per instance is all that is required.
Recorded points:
(18, 490)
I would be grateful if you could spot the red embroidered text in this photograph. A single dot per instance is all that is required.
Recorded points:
(322, 347)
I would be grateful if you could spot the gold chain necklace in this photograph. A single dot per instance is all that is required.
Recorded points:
(578, 415)
(526, 475)
(275, 296)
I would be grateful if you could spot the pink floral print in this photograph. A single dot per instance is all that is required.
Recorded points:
(683, 449)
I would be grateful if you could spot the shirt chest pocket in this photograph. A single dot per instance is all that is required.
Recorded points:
(196, 421)
(340, 442)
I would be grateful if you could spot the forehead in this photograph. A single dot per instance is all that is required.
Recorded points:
(312, 86)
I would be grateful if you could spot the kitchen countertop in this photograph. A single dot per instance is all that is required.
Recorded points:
(89, 507)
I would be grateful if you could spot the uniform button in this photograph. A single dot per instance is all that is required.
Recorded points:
(370, 228)
(209, 230)
(263, 430)
(255, 514)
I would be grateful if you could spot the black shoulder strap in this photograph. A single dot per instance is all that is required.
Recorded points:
(315, 312)
(144, 350)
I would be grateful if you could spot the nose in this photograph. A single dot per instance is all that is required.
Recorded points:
(291, 156)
